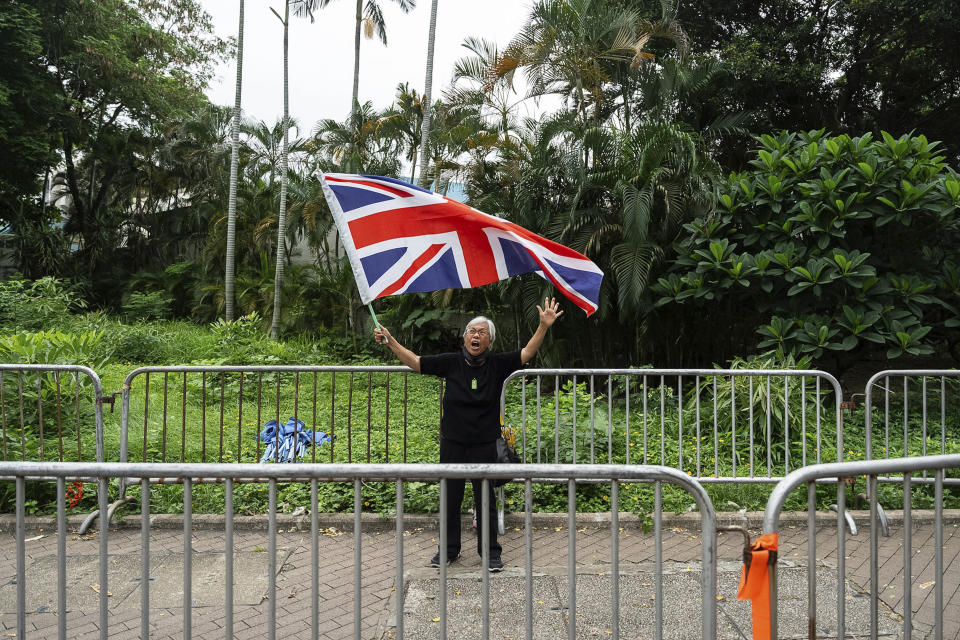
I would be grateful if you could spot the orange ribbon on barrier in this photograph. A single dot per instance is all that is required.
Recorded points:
(755, 582)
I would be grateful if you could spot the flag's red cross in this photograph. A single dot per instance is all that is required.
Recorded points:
(429, 217)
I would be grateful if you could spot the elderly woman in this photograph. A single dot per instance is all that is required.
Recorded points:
(471, 411)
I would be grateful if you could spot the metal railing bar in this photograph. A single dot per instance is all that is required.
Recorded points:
(818, 421)
(716, 430)
(203, 419)
(786, 424)
(145, 560)
(183, 417)
(240, 415)
(938, 552)
(812, 560)
(314, 559)
(841, 558)
(349, 419)
(21, 560)
(272, 560)
(906, 415)
(399, 557)
(592, 423)
(658, 560)
(679, 423)
(539, 420)
(645, 420)
(769, 402)
(294, 472)
(571, 558)
(61, 559)
(907, 554)
(444, 489)
(485, 524)
(615, 558)
(699, 455)
(523, 417)
(228, 558)
(943, 414)
(833, 470)
(276, 450)
(357, 554)
(556, 419)
(3, 414)
(187, 559)
(574, 427)
(803, 421)
(626, 384)
(56, 377)
(528, 553)
(733, 423)
(23, 440)
(369, 410)
(386, 422)
(40, 412)
(609, 420)
(874, 556)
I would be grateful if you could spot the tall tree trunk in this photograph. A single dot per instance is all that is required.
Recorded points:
(355, 101)
(234, 161)
(427, 95)
(282, 218)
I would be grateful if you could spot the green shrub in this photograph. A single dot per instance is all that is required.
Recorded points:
(838, 246)
(141, 344)
(54, 347)
(154, 305)
(41, 304)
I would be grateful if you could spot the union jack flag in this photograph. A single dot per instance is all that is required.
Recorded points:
(402, 239)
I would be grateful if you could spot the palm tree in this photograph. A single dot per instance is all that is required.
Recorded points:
(575, 47)
(359, 143)
(427, 93)
(369, 16)
(234, 160)
(282, 218)
(263, 148)
(404, 119)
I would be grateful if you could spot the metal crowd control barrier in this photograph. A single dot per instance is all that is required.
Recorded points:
(215, 413)
(920, 412)
(188, 474)
(51, 412)
(717, 425)
(874, 470)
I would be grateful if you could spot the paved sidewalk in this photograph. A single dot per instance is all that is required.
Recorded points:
(681, 556)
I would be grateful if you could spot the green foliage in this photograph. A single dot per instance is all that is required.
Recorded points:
(43, 303)
(53, 347)
(34, 405)
(138, 343)
(843, 246)
(146, 306)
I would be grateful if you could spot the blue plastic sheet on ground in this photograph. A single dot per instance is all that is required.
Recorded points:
(289, 443)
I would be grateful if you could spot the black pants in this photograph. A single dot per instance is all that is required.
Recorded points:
(451, 451)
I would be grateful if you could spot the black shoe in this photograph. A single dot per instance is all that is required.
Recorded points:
(495, 565)
(435, 560)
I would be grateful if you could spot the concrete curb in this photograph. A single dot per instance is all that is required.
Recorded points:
(373, 522)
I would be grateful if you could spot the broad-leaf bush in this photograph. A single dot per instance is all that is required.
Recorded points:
(827, 246)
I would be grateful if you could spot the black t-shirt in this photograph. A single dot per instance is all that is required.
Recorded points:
(471, 401)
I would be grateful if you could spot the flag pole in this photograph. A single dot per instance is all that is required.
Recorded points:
(376, 323)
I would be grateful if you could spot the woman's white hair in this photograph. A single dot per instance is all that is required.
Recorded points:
(478, 320)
